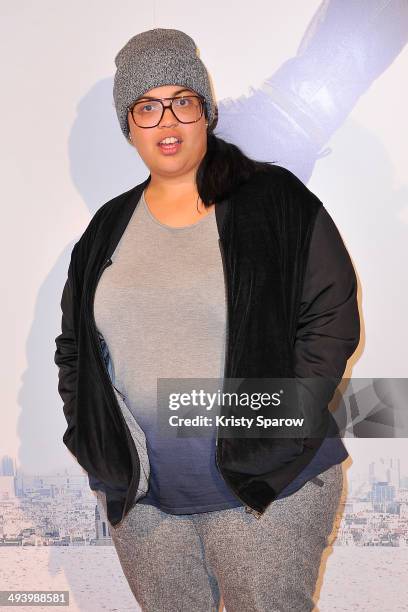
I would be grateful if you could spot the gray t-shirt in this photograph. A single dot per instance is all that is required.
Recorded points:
(161, 308)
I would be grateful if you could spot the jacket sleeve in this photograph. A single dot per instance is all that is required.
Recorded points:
(328, 329)
(66, 355)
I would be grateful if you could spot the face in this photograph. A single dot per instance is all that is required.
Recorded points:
(188, 155)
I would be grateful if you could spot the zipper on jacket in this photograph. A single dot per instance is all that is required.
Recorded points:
(99, 357)
(317, 481)
(248, 509)
(119, 392)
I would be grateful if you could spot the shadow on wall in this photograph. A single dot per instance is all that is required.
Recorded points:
(290, 118)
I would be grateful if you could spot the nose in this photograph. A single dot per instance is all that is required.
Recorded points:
(172, 115)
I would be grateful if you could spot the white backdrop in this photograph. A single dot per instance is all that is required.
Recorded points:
(63, 156)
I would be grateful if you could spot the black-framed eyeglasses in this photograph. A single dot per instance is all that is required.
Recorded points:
(149, 113)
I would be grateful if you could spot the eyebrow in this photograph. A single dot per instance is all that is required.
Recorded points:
(155, 98)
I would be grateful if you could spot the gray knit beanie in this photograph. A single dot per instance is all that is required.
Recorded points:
(154, 58)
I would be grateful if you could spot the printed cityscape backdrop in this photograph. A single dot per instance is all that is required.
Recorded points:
(59, 509)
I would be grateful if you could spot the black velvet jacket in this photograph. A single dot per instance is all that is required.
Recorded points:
(264, 230)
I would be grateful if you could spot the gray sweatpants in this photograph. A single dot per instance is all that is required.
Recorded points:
(181, 563)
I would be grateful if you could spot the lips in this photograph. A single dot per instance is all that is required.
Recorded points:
(169, 149)
(170, 136)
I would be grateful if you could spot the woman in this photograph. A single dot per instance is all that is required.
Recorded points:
(215, 266)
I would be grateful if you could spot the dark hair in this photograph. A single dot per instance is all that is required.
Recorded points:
(223, 168)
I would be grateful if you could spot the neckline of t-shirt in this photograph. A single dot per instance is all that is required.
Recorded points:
(171, 227)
